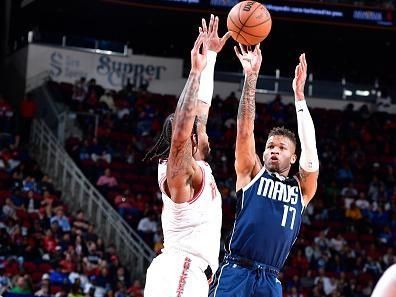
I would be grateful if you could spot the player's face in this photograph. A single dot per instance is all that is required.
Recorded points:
(279, 154)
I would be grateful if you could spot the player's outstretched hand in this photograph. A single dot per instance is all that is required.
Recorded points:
(199, 52)
(250, 59)
(215, 43)
(300, 76)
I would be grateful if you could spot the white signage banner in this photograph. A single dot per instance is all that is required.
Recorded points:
(110, 71)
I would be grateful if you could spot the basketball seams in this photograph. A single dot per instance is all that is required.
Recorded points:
(248, 43)
(238, 30)
(259, 5)
(243, 24)
(233, 22)
(239, 17)
(261, 36)
(252, 26)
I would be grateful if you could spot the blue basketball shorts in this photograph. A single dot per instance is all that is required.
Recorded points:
(239, 277)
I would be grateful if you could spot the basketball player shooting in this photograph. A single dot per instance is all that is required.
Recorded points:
(270, 204)
(191, 215)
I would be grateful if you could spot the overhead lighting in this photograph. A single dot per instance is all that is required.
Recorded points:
(25, 3)
(362, 92)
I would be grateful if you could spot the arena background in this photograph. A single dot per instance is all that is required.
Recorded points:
(62, 218)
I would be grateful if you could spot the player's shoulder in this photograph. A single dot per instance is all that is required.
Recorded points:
(203, 163)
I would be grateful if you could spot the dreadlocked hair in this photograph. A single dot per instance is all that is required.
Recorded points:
(161, 148)
(282, 131)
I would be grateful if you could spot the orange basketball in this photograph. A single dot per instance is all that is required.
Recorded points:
(249, 22)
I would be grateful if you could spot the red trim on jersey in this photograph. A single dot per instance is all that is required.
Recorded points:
(183, 277)
(196, 196)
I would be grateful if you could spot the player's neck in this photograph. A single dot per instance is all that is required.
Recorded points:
(284, 173)
(198, 156)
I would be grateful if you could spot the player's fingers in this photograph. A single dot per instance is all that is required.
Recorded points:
(304, 61)
(211, 23)
(243, 52)
(204, 48)
(256, 48)
(225, 37)
(296, 70)
(237, 52)
(216, 24)
(204, 27)
(259, 53)
(198, 41)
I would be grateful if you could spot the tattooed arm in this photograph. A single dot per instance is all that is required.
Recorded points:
(183, 174)
(246, 161)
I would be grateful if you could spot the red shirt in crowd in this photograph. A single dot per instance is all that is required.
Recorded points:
(28, 108)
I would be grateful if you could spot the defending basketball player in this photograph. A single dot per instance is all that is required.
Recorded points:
(270, 204)
(191, 215)
(386, 286)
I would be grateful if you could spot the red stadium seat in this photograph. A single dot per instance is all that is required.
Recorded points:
(45, 267)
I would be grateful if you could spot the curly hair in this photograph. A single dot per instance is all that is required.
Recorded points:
(282, 131)
(161, 148)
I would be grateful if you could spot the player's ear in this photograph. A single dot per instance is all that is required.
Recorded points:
(293, 159)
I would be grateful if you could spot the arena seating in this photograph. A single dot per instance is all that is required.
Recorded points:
(348, 236)
(349, 228)
(44, 249)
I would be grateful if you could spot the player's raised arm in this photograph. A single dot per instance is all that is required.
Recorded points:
(182, 171)
(246, 162)
(215, 44)
(309, 162)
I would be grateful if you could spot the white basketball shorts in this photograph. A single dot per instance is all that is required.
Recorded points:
(176, 274)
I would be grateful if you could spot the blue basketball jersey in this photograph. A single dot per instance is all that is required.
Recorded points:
(268, 219)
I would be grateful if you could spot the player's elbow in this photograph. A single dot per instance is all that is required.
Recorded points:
(181, 132)
(244, 134)
(180, 136)
(245, 166)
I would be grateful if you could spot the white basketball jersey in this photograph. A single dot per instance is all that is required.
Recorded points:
(194, 226)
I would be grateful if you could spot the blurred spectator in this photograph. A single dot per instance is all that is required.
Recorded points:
(353, 212)
(98, 152)
(28, 110)
(62, 220)
(372, 266)
(147, 227)
(337, 243)
(106, 181)
(108, 101)
(136, 289)
(80, 224)
(6, 115)
(9, 209)
(21, 285)
(75, 290)
(80, 90)
(45, 289)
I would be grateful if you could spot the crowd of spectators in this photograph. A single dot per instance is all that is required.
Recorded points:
(348, 235)
(45, 250)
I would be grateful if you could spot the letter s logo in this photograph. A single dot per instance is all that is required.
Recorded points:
(56, 64)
